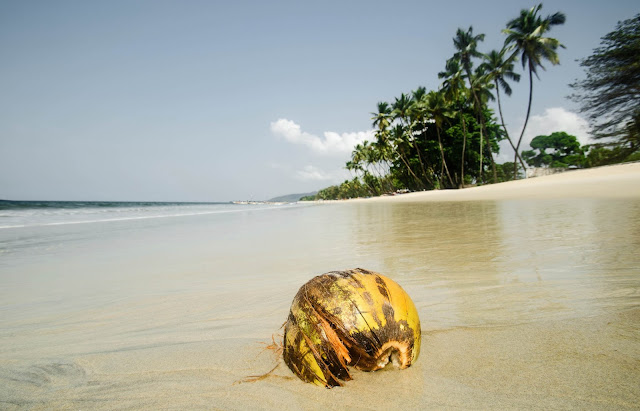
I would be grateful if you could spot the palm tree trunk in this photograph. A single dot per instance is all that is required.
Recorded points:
(421, 183)
(415, 145)
(464, 146)
(444, 163)
(478, 107)
(493, 163)
(505, 127)
(424, 172)
(481, 128)
(526, 120)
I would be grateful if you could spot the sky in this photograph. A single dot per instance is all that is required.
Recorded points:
(246, 100)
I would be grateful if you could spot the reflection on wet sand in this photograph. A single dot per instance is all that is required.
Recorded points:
(507, 262)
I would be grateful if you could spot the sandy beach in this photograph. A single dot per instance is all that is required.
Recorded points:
(617, 181)
(529, 298)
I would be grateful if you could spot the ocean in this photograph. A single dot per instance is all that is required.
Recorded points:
(17, 214)
(172, 305)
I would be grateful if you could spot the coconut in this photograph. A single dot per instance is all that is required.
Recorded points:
(354, 318)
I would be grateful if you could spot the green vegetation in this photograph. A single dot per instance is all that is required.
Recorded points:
(565, 151)
(447, 138)
(610, 95)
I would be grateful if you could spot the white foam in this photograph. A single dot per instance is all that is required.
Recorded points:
(42, 219)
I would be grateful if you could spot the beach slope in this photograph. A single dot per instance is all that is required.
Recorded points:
(618, 181)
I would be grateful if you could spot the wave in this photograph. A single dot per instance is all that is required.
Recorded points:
(27, 205)
(46, 214)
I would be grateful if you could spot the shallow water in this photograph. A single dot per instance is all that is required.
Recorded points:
(172, 312)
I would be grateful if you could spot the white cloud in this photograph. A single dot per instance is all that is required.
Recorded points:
(312, 173)
(332, 143)
(557, 119)
(553, 119)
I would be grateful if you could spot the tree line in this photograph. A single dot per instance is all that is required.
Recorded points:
(447, 138)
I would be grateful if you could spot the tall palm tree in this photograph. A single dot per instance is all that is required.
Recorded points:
(453, 88)
(481, 89)
(439, 111)
(466, 45)
(525, 35)
(499, 70)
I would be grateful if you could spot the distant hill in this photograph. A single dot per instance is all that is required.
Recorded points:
(291, 197)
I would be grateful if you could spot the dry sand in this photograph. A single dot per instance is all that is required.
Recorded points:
(618, 181)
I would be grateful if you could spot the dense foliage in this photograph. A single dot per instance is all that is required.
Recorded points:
(610, 94)
(557, 150)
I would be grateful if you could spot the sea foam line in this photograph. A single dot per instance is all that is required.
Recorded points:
(109, 220)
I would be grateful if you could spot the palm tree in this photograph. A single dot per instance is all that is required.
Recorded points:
(439, 111)
(357, 157)
(525, 36)
(499, 70)
(419, 94)
(397, 138)
(381, 118)
(466, 45)
(390, 139)
(403, 107)
(453, 88)
(481, 89)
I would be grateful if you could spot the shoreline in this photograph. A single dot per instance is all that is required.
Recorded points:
(523, 304)
(615, 181)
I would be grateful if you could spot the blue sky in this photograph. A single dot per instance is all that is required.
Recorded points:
(216, 101)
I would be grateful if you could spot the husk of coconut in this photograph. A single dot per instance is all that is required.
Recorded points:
(354, 318)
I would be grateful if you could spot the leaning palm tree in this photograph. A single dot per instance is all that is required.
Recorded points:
(499, 70)
(525, 35)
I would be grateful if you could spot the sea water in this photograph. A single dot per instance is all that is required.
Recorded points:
(171, 305)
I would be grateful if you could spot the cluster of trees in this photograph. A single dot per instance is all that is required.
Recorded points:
(557, 150)
(561, 150)
(447, 138)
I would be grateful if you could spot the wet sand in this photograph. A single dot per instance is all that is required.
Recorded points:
(528, 303)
